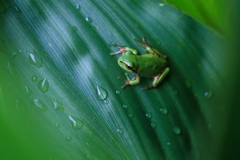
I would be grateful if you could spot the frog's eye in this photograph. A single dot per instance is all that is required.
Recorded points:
(128, 67)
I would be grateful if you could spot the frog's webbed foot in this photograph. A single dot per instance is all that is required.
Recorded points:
(128, 81)
(121, 49)
(143, 43)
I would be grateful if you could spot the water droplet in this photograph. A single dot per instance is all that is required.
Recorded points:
(78, 7)
(153, 125)
(68, 138)
(102, 94)
(28, 91)
(106, 101)
(148, 115)
(57, 125)
(208, 94)
(87, 144)
(120, 130)
(35, 60)
(163, 110)
(76, 123)
(125, 106)
(34, 78)
(88, 19)
(176, 130)
(18, 9)
(43, 85)
(58, 106)
(188, 84)
(130, 115)
(40, 105)
(161, 4)
(118, 92)
(169, 143)
(75, 29)
(175, 92)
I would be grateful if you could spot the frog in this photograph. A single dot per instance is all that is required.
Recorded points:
(151, 65)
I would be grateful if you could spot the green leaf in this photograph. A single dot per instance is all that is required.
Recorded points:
(213, 13)
(59, 93)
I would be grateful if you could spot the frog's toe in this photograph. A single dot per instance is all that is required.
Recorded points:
(148, 87)
(126, 84)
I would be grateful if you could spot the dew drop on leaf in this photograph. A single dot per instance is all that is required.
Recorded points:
(106, 101)
(68, 138)
(57, 125)
(125, 106)
(35, 60)
(78, 7)
(43, 85)
(176, 130)
(88, 19)
(58, 106)
(40, 105)
(76, 123)
(28, 91)
(163, 110)
(34, 78)
(101, 93)
(208, 94)
(118, 92)
(120, 130)
(148, 115)
(153, 125)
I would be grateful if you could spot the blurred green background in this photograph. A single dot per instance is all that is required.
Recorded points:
(59, 93)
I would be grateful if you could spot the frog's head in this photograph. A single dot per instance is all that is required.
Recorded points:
(127, 62)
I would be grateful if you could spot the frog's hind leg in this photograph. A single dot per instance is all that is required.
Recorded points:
(157, 79)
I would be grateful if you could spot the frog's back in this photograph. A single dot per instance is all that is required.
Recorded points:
(150, 65)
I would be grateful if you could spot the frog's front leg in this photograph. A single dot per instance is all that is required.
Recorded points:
(132, 82)
(150, 49)
(124, 50)
(157, 79)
